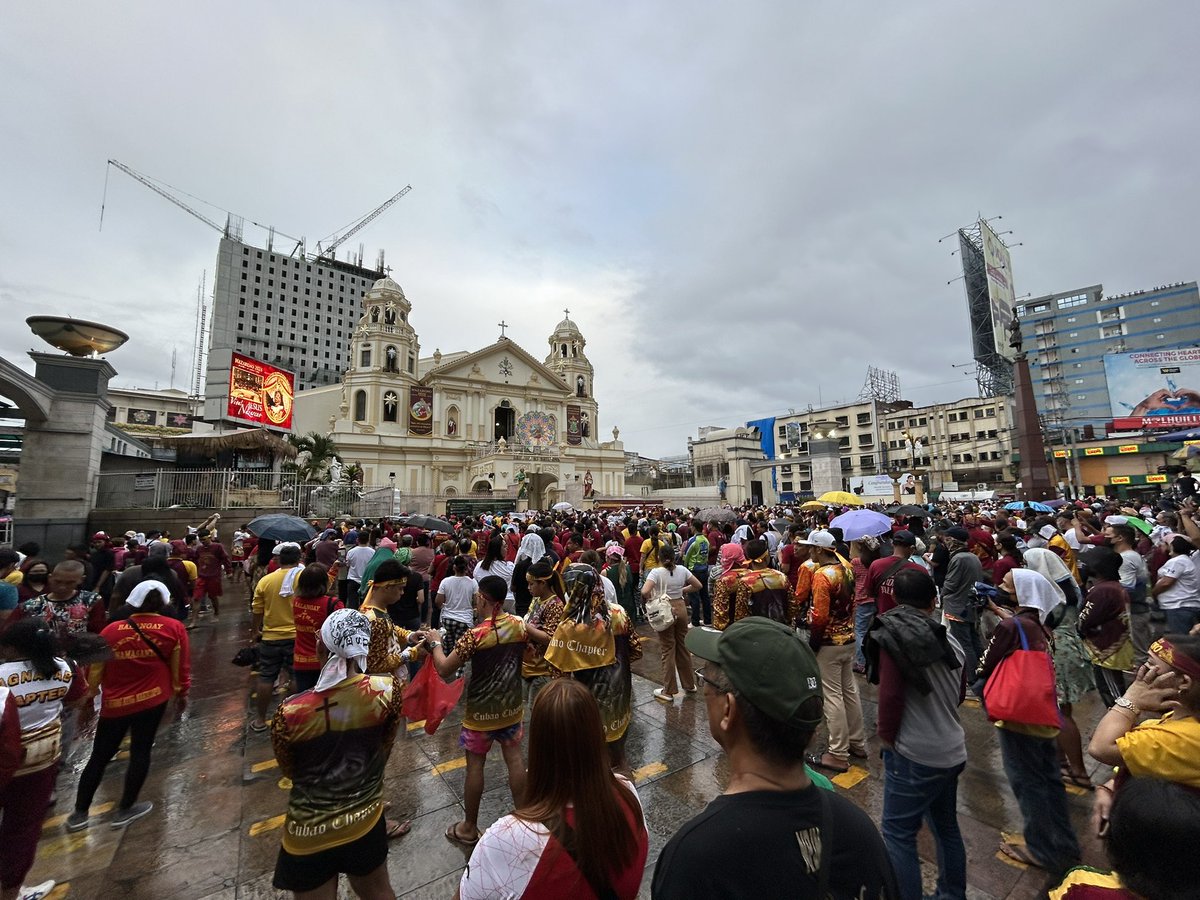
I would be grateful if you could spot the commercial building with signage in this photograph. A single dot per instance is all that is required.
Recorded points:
(953, 446)
(1068, 335)
(468, 423)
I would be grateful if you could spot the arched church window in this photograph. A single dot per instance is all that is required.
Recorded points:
(391, 404)
(390, 364)
(360, 406)
(452, 417)
(564, 351)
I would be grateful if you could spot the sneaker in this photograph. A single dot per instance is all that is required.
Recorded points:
(37, 892)
(77, 821)
(663, 697)
(690, 690)
(124, 816)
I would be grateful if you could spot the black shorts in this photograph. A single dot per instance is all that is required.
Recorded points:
(306, 679)
(273, 656)
(310, 871)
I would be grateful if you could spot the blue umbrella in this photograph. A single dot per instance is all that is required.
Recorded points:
(861, 522)
(1020, 505)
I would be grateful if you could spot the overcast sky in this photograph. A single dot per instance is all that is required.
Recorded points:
(740, 203)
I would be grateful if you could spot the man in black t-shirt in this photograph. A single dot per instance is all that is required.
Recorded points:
(773, 832)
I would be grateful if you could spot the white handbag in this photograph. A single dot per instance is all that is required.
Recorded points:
(659, 612)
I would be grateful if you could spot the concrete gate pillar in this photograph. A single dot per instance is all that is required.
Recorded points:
(60, 456)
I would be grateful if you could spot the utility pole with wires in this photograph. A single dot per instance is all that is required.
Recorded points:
(200, 349)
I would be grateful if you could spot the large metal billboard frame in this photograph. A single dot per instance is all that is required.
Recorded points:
(1002, 298)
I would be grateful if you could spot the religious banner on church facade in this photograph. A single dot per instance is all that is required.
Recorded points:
(574, 425)
(420, 410)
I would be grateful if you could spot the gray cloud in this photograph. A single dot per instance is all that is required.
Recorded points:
(740, 205)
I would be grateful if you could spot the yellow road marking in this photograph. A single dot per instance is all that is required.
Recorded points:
(60, 891)
(65, 843)
(98, 810)
(124, 754)
(849, 779)
(973, 702)
(264, 765)
(648, 771)
(285, 784)
(450, 766)
(413, 726)
(266, 825)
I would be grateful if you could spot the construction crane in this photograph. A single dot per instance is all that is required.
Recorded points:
(233, 222)
(162, 192)
(359, 225)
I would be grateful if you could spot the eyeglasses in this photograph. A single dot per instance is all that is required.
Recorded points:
(719, 688)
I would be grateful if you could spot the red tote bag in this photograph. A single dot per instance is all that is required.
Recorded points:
(428, 697)
(1021, 690)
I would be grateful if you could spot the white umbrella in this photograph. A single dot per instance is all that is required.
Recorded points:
(562, 507)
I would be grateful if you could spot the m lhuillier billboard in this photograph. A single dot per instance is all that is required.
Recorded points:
(1154, 388)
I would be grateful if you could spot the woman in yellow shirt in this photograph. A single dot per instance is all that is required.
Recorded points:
(1167, 747)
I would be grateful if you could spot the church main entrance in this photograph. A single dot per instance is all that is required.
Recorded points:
(506, 422)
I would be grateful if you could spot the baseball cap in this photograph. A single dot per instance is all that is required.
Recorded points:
(99, 536)
(958, 533)
(821, 539)
(904, 539)
(766, 662)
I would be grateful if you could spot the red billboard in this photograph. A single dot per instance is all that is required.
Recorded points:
(260, 394)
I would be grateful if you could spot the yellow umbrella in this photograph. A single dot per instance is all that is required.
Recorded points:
(840, 498)
(812, 506)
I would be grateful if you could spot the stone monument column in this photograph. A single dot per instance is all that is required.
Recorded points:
(60, 457)
(825, 457)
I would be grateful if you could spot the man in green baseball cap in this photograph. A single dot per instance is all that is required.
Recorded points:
(762, 693)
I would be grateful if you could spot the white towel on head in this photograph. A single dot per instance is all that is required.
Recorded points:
(1036, 591)
(346, 633)
(143, 589)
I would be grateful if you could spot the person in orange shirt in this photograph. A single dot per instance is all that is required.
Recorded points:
(831, 625)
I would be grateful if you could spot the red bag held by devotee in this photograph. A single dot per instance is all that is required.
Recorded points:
(428, 697)
(1022, 690)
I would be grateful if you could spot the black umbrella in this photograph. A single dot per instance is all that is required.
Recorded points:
(715, 514)
(910, 509)
(279, 527)
(430, 523)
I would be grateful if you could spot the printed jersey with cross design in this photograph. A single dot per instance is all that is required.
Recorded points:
(334, 746)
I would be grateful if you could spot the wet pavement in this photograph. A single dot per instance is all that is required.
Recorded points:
(219, 798)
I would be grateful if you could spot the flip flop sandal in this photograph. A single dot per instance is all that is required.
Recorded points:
(259, 729)
(395, 829)
(1080, 781)
(818, 763)
(1020, 854)
(452, 834)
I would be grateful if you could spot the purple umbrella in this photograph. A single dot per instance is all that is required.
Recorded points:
(861, 522)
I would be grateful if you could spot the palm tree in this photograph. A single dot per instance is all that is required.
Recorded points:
(315, 451)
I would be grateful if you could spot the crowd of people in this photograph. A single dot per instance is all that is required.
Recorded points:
(537, 619)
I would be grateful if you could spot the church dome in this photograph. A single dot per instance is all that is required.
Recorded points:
(384, 286)
(567, 327)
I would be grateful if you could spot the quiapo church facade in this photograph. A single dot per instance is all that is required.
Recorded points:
(470, 423)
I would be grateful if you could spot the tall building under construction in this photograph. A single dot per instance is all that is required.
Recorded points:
(293, 311)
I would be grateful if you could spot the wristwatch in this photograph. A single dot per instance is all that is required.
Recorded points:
(1127, 704)
(433, 644)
